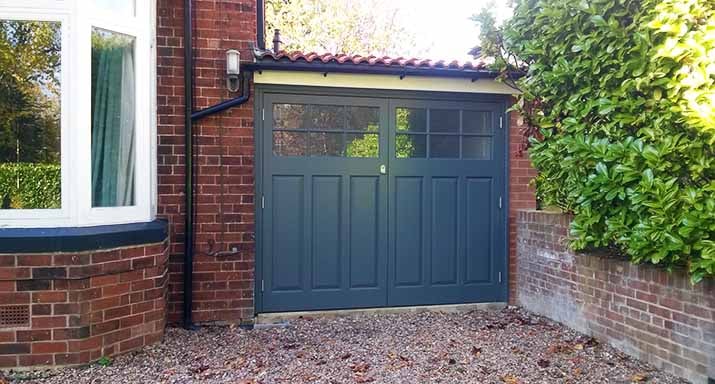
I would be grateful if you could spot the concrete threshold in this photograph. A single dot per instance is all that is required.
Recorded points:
(284, 317)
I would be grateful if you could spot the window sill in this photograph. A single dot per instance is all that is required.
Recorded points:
(78, 239)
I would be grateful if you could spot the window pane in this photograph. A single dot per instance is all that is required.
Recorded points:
(113, 119)
(475, 147)
(327, 117)
(477, 122)
(410, 146)
(444, 120)
(325, 144)
(289, 143)
(366, 145)
(125, 7)
(411, 119)
(289, 116)
(444, 146)
(364, 119)
(30, 53)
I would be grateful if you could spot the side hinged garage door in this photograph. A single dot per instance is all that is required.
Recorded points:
(380, 201)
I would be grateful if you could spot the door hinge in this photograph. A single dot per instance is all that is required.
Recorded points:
(500, 277)
(263, 286)
(263, 114)
(500, 202)
(501, 121)
(263, 202)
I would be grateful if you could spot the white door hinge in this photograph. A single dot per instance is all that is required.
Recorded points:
(500, 202)
(263, 202)
(262, 286)
(501, 122)
(263, 114)
(500, 277)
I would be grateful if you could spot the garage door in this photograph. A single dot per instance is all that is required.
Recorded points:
(380, 201)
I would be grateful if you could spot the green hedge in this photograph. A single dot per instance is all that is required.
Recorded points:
(623, 95)
(29, 186)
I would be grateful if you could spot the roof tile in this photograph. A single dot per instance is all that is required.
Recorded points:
(385, 61)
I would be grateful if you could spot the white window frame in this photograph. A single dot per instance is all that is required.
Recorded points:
(78, 17)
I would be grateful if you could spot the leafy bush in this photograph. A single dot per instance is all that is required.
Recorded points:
(29, 186)
(623, 95)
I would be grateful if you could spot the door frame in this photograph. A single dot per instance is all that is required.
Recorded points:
(258, 125)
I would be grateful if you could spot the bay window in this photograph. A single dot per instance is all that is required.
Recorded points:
(77, 112)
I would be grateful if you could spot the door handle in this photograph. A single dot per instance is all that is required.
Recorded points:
(383, 169)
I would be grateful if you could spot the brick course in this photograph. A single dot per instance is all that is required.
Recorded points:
(653, 315)
(82, 306)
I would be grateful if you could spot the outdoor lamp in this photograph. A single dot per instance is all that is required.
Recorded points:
(233, 59)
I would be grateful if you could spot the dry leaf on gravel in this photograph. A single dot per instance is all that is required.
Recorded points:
(639, 378)
(510, 379)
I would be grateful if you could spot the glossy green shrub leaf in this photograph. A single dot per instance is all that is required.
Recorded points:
(623, 94)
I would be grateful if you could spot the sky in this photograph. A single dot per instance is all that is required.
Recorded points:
(442, 27)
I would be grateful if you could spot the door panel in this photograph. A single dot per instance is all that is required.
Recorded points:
(445, 160)
(339, 233)
(325, 215)
(365, 252)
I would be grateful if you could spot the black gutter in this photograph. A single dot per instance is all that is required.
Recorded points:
(189, 117)
(245, 95)
(188, 164)
(369, 69)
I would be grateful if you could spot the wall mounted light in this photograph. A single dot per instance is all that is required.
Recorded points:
(233, 70)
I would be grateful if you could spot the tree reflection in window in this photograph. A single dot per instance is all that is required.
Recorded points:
(30, 55)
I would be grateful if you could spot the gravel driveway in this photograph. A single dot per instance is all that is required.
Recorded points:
(509, 346)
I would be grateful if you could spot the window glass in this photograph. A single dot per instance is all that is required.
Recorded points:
(444, 120)
(411, 119)
(442, 146)
(289, 143)
(113, 119)
(30, 64)
(326, 117)
(325, 130)
(326, 144)
(362, 145)
(477, 147)
(363, 118)
(477, 122)
(289, 116)
(125, 7)
(410, 146)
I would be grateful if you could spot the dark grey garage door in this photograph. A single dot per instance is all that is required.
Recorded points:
(380, 201)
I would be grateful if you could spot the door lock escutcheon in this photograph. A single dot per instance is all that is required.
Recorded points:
(383, 169)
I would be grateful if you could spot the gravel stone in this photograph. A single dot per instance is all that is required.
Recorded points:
(510, 346)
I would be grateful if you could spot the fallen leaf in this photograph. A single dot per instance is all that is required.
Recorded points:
(639, 378)
(476, 351)
(510, 379)
(345, 356)
(543, 363)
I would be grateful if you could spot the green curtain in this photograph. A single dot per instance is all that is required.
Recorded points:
(113, 121)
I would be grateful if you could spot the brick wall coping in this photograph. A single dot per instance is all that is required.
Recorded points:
(78, 239)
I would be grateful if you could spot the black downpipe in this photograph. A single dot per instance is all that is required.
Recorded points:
(260, 24)
(189, 117)
(188, 164)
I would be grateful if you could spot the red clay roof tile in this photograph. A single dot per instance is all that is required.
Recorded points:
(385, 61)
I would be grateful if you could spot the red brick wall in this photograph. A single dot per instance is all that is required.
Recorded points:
(644, 311)
(81, 306)
(521, 193)
(223, 285)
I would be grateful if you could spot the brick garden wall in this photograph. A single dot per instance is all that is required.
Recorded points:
(73, 308)
(223, 284)
(521, 193)
(646, 312)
